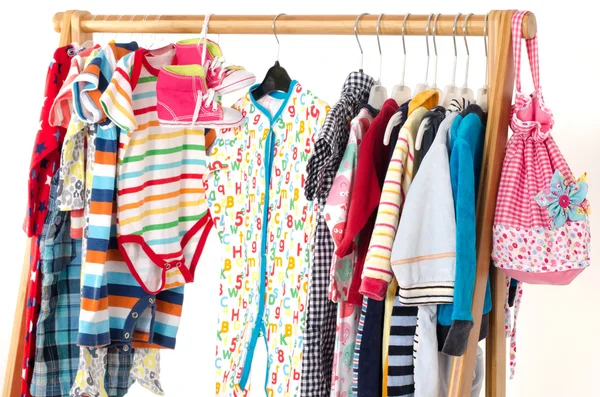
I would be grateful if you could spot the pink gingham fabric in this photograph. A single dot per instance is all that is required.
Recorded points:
(525, 246)
(523, 241)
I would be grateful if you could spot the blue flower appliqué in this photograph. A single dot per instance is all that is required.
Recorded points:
(565, 199)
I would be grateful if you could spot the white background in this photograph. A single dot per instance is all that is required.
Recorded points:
(558, 341)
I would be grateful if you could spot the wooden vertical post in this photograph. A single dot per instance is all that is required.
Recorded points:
(65, 29)
(501, 81)
(13, 375)
(12, 379)
(77, 34)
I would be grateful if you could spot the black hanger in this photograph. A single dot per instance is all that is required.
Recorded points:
(276, 79)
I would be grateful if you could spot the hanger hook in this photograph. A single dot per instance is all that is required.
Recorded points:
(465, 85)
(132, 33)
(377, 32)
(427, 45)
(403, 28)
(465, 32)
(162, 37)
(204, 39)
(435, 67)
(404, 48)
(427, 33)
(93, 19)
(118, 20)
(485, 45)
(357, 40)
(434, 33)
(455, 50)
(485, 41)
(379, 45)
(275, 34)
(454, 33)
(145, 19)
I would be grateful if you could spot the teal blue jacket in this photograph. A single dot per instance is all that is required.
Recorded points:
(466, 143)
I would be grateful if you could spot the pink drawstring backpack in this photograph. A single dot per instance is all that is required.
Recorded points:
(541, 232)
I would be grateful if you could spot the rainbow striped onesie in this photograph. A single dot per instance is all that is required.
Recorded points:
(163, 219)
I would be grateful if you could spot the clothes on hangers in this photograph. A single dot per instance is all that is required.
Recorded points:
(433, 118)
(467, 137)
(399, 379)
(44, 162)
(57, 353)
(402, 112)
(373, 151)
(321, 169)
(268, 191)
(354, 269)
(161, 205)
(338, 203)
(109, 289)
(369, 181)
(71, 196)
(335, 213)
(87, 89)
(377, 273)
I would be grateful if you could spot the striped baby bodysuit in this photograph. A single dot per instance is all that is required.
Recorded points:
(163, 219)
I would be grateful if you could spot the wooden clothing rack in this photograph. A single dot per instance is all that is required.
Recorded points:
(78, 26)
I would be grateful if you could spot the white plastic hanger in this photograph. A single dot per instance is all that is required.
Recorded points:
(423, 86)
(433, 86)
(362, 55)
(90, 43)
(131, 34)
(137, 37)
(401, 92)
(451, 91)
(425, 123)
(378, 93)
(466, 92)
(151, 38)
(482, 93)
(114, 38)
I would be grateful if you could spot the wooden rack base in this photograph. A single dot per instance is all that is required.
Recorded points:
(80, 25)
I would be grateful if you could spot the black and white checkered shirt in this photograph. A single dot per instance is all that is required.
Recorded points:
(333, 137)
(319, 337)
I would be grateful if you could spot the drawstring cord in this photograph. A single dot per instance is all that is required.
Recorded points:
(507, 324)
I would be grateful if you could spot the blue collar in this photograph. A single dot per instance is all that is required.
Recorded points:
(278, 95)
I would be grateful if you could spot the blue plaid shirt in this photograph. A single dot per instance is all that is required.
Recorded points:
(57, 353)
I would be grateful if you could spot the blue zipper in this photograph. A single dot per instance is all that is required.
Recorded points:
(268, 156)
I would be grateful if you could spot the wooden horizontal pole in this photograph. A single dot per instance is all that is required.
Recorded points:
(286, 24)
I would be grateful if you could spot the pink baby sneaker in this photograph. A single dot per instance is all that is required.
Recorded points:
(223, 79)
(183, 98)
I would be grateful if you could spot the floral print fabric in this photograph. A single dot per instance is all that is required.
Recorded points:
(564, 199)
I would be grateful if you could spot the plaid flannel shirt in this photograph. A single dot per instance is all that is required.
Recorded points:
(57, 353)
(319, 337)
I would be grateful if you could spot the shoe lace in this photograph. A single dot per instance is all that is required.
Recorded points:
(216, 63)
(207, 100)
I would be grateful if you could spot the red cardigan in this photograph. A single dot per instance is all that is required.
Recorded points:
(373, 161)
